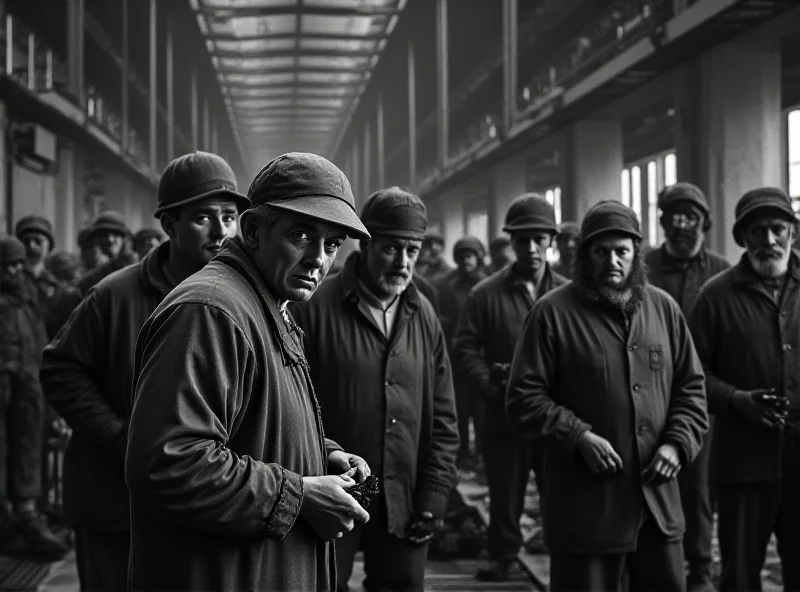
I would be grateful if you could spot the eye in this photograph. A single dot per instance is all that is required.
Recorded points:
(229, 219)
(413, 251)
(300, 236)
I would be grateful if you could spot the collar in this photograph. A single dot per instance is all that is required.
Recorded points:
(234, 255)
(667, 261)
(349, 285)
(743, 272)
(513, 279)
(151, 270)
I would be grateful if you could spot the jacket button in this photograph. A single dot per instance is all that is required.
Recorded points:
(787, 347)
(388, 383)
(784, 313)
(632, 348)
(642, 430)
(636, 387)
(393, 421)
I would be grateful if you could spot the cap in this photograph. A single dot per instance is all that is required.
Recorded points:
(433, 237)
(471, 244)
(683, 192)
(11, 250)
(110, 221)
(59, 261)
(310, 185)
(759, 201)
(499, 242)
(195, 176)
(146, 233)
(609, 216)
(530, 211)
(35, 223)
(395, 212)
(569, 230)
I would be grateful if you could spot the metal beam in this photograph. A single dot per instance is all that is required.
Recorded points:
(224, 14)
(287, 70)
(75, 50)
(412, 117)
(278, 53)
(126, 66)
(443, 107)
(510, 63)
(380, 155)
(153, 93)
(300, 85)
(268, 35)
(170, 96)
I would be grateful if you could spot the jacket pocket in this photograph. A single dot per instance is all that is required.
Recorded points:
(656, 354)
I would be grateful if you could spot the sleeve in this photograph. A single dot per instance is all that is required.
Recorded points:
(530, 407)
(468, 349)
(195, 367)
(704, 327)
(687, 416)
(331, 446)
(438, 475)
(71, 366)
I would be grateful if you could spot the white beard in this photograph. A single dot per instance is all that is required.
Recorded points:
(770, 268)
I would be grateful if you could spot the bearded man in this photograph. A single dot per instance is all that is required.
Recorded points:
(746, 324)
(680, 267)
(606, 377)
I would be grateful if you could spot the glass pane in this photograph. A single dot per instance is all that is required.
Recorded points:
(557, 203)
(548, 195)
(794, 180)
(794, 136)
(652, 202)
(670, 170)
(332, 78)
(248, 3)
(254, 79)
(249, 45)
(478, 226)
(636, 191)
(338, 63)
(337, 44)
(351, 25)
(626, 187)
(255, 64)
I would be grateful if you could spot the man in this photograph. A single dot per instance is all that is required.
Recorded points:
(484, 345)
(468, 253)
(567, 245)
(145, 240)
(500, 253)
(680, 267)
(746, 324)
(605, 375)
(90, 254)
(87, 371)
(111, 235)
(226, 459)
(378, 357)
(22, 411)
(432, 265)
(64, 266)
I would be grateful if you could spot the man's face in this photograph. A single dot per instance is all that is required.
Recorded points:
(390, 262)
(683, 226)
(145, 245)
(431, 252)
(530, 248)
(110, 243)
(768, 240)
(11, 274)
(198, 229)
(611, 259)
(567, 247)
(467, 262)
(501, 256)
(37, 246)
(295, 253)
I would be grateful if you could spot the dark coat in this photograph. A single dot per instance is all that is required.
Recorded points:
(87, 376)
(225, 425)
(389, 400)
(487, 333)
(96, 275)
(576, 368)
(747, 341)
(683, 283)
(22, 332)
(55, 298)
(453, 291)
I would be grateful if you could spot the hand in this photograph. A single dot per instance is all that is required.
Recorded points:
(498, 380)
(421, 528)
(665, 465)
(328, 508)
(340, 461)
(761, 407)
(598, 454)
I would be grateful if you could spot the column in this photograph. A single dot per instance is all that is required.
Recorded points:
(71, 215)
(170, 97)
(125, 79)
(510, 62)
(412, 119)
(75, 62)
(452, 204)
(380, 148)
(592, 166)
(507, 182)
(442, 95)
(195, 110)
(153, 93)
(729, 131)
(366, 185)
(6, 215)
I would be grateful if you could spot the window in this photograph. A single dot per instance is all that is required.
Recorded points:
(652, 202)
(636, 191)
(553, 197)
(477, 225)
(626, 187)
(641, 182)
(793, 137)
(670, 170)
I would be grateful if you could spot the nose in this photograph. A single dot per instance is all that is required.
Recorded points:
(613, 260)
(315, 254)
(401, 261)
(771, 238)
(217, 227)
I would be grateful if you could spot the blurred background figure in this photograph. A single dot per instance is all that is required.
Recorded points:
(567, 245)
(146, 240)
(64, 266)
(431, 264)
(90, 255)
(500, 253)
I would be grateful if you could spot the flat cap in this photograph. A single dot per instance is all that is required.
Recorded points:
(569, 229)
(35, 223)
(310, 185)
(471, 244)
(11, 250)
(761, 201)
(395, 212)
(109, 221)
(530, 211)
(609, 216)
(683, 192)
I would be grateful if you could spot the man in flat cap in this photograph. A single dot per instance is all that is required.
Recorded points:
(145, 240)
(567, 245)
(680, 266)
(606, 377)
(500, 253)
(468, 253)
(111, 234)
(432, 264)
(484, 345)
(87, 371)
(746, 324)
(379, 360)
(90, 254)
(227, 462)
(22, 411)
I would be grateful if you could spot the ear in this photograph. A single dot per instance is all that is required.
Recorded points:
(168, 224)
(249, 228)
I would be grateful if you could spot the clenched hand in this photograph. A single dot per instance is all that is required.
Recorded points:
(328, 508)
(665, 466)
(598, 454)
(341, 462)
(761, 407)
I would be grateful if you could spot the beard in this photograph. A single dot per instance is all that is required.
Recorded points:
(769, 264)
(393, 284)
(624, 296)
(684, 244)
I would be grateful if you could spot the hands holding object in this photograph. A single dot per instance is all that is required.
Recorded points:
(762, 407)
(422, 527)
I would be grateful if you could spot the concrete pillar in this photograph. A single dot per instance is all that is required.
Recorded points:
(729, 132)
(508, 182)
(69, 214)
(5, 198)
(452, 206)
(592, 166)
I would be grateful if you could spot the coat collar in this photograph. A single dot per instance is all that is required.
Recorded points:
(550, 280)
(151, 270)
(289, 334)
(350, 292)
(744, 274)
(665, 261)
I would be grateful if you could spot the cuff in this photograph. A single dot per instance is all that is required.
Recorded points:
(287, 506)
(578, 429)
(331, 446)
(684, 451)
(433, 501)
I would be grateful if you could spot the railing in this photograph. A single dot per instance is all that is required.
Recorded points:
(475, 137)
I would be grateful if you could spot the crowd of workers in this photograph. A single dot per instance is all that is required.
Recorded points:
(224, 385)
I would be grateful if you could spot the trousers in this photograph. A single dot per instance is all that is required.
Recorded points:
(22, 415)
(697, 508)
(102, 559)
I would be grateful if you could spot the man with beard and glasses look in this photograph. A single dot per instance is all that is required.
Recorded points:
(379, 360)
(487, 332)
(111, 235)
(746, 324)
(680, 267)
(606, 378)
(468, 253)
(87, 371)
(22, 411)
(567, 245)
